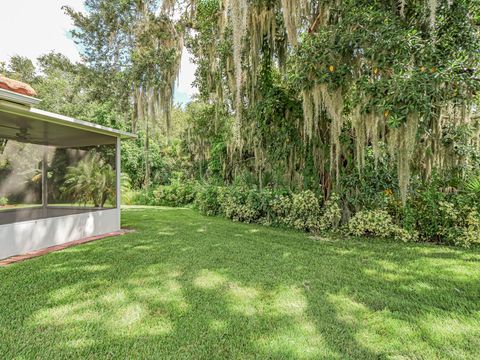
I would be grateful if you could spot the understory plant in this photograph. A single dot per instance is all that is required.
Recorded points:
(176, 194)
(3, 201)
(461, 225)
(377, 223)
(206, 200)
(243, 204)
(431, 214)
(304, 212)
(331, 214)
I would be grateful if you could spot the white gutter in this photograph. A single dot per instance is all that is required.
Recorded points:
(18, 98)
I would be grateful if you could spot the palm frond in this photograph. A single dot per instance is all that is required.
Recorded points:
(473, 185)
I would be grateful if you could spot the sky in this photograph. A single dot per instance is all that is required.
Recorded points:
(35, 27)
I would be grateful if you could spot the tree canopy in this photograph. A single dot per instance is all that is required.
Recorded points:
(318, 94)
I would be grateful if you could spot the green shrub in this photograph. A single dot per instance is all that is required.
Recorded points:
(332, 214)
(176, 194)
(377, 223)
(422, 213)
(241, 204)
(142, 197)
(3, 201)
(280, 207)
(304, 212)
(443, 214)
(461, 224)
(237, 203)
(207, 200)
(430, 214)
(92, 180)
(230, 199)
(258, 206)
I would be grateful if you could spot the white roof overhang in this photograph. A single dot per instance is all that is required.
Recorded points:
(21, 122)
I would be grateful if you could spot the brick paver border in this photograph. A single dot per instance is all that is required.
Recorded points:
(37, 253)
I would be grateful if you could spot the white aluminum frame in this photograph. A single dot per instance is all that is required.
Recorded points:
(25, 236)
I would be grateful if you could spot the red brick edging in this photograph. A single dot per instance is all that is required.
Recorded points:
(37, 253)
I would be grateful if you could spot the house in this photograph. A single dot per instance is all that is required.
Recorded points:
(38, 149)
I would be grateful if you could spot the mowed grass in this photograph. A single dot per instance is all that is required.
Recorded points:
(184, 286)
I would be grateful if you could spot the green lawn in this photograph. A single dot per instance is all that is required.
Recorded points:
(192, 287)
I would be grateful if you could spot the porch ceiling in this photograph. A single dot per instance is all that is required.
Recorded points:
(25, 124)
(23, 129)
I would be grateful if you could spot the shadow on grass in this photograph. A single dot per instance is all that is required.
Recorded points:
(187, 286)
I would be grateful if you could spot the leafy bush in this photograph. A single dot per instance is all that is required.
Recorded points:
(177, 194)
(430, 214)
(301, 211)
(305, 212)
(255, 208)
(422, 212)
(237, 203)
(280, 207)
(332, 214)
(461, 224)
(240, 204)
(180, 192)
(365, 190)
(229, 199)
(444, 214)
(207, 201)
(377, 223)
(142, 197)
(3, 201)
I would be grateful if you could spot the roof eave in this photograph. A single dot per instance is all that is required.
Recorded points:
(47, 116)
(18, 98)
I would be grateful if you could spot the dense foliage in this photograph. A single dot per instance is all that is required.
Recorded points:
(429, 216)
(367, 106)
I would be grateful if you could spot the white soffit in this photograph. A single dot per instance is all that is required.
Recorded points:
(28, 124)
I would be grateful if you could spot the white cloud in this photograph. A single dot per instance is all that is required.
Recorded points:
(35, 27)
(32, 27)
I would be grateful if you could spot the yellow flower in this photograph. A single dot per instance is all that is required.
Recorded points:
(331, 68)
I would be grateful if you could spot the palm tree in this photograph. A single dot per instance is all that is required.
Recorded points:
(91, 181)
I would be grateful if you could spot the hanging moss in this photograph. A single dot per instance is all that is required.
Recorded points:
(238, 10)
(351, 84)
(156, 37)
(293, 11)
(432, 5)
(360, 138)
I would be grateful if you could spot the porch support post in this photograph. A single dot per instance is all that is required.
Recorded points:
(119, 174)
(44, 182)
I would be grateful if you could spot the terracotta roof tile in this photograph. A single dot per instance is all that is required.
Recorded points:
(16, 86)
